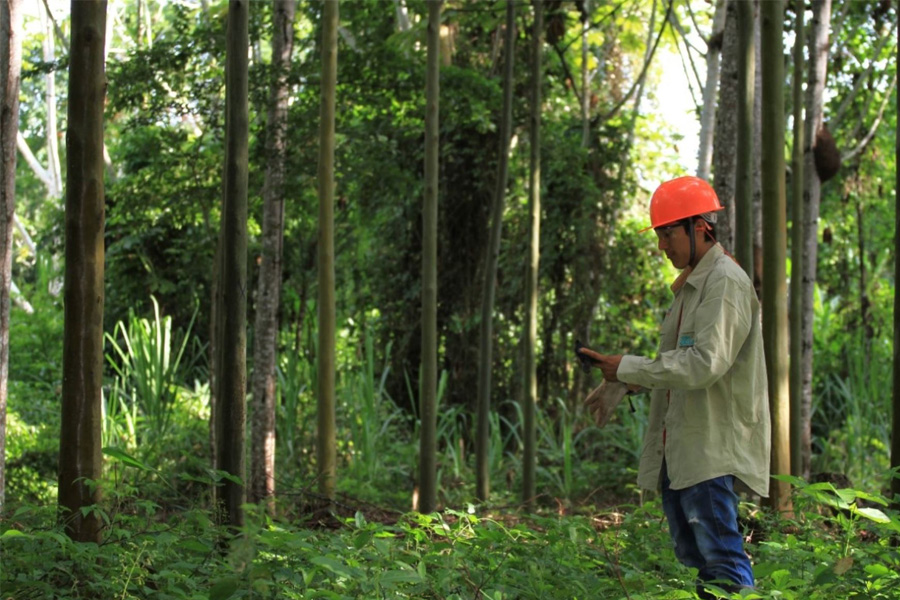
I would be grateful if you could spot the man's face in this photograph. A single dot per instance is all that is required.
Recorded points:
(674, 241)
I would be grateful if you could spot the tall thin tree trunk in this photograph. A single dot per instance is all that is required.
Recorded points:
(708, 113)
(743, 231)
(756, 179)
(10, 73)
(80, 458)
(797, 244)
(895, 422)
(53, 166)
(326, 448)
(775, 326)
(232, 379)
(485, 359)
(724, 162)
(430, 341)
(263, 386)
(529, 459)
(815, 86)
(585, 76)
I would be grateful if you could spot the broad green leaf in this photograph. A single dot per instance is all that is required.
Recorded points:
(9, 533)
(336, 567)
(873, 514)
(398, 576)
(224, 588)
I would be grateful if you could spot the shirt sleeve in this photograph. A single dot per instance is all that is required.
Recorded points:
(722, 323)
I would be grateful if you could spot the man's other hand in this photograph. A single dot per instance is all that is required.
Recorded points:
(608, 363)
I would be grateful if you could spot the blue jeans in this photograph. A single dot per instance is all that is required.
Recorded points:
(704, 526)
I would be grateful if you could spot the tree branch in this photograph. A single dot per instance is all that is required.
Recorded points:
(39, 170)
(857, 85)
(869, 136)
(634, 86)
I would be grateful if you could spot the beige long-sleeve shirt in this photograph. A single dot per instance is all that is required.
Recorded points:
(709, 394)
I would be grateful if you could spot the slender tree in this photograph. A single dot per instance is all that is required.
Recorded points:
(743, 230)
(326, 450)
(708, 113)
(80, 458)
(724, 163)
(231, 411)
(812, 189)
(775, 329)
(428, 392)
(485, 360)
(895, 423)
(529, 459)
(263, 385)
(796, 306)
(10, 72)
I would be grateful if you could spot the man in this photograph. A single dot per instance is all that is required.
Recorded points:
(709, 429)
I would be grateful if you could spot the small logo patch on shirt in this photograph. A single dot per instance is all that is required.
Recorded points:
(685, 341)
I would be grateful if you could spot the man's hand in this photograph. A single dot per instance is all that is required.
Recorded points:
(608, 363)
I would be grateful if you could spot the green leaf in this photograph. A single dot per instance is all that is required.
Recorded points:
(336, 567)
(224, 588)
(400, 576)
(873, 514)
(9, 533)
(118, 454)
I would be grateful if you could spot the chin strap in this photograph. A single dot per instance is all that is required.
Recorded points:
(692, 235)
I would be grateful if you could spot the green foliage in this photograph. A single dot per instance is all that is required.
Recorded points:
(148, 370)
(852, 401)
(623, 552)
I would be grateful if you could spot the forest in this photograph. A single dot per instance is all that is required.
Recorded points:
(292, 289)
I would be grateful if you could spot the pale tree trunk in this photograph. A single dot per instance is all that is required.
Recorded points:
(895, 422)
(815, 86)
(797, 244)
(529, 460)
(326, 451)
(10, 73)
(232, 311)
(268, 297)
(724, 156)
(774, 310)
(708, 113)
(80, 458)
(743, 231)
(53, 166)
(430, 341)
(756, 182)
(485, 357)
(585, 77)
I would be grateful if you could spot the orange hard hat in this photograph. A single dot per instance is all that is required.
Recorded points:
(681, 198)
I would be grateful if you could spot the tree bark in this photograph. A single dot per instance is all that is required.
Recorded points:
(232, 378)
(815, 85)
(743, 231)
(724, 162)
(529, 460)
(708, 113)
(775, 327)
(80, 458)
(263, 385)
(10, 74)
(796, 308)
(485, 359)
(430, 340)
(895, 422)
(326, 448)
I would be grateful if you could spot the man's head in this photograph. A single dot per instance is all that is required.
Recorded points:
(683, 214)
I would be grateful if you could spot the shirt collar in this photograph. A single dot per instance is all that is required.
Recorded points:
(697, 275)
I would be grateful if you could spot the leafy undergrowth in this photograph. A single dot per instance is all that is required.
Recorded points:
(832, 549)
